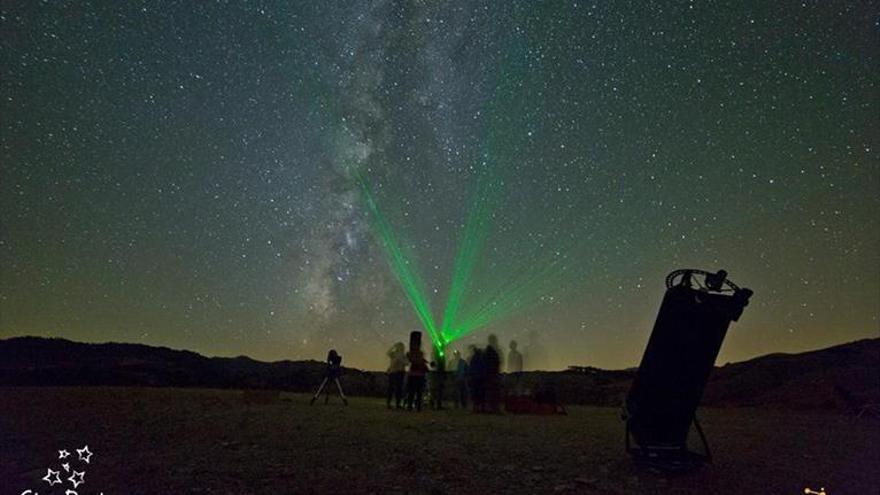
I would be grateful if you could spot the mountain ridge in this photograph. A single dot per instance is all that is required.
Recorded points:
(843, 377)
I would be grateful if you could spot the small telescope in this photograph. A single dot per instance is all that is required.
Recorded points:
(331, 373)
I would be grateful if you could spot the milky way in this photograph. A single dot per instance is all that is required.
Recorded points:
(183, 174)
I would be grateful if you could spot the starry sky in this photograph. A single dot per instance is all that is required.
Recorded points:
(180, 173)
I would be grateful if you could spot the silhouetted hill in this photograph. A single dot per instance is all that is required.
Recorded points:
(39, 361)
(841, 378)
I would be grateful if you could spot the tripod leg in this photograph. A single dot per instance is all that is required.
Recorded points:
(341, 393)
(318, 393)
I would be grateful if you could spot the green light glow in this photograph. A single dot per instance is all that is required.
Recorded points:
(524, 285)
(475, 232)
(523, 291)
(402, 266)
(547, 270)
(499, 147)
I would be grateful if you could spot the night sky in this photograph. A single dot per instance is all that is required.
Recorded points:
(181, 173)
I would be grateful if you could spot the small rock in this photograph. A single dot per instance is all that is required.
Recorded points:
(563, 488)
(537, 469)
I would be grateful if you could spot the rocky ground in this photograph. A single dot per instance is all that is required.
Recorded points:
(151, 440)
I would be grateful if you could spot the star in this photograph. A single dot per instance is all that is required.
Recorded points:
(48, 478)
(77, 478)
(66, 466)
(82, 454)
(301, 227)
(63, 454)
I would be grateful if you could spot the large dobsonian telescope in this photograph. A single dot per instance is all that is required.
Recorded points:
(661, 405)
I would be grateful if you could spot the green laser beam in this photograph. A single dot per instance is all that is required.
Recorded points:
(500, 145)
(519, 295)
(488, 193)
(401, 265)
(523, 285)
(473, 238)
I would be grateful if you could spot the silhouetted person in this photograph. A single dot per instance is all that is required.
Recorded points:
(493, 343)
(415, 380)
(396, 374)
(438, 380)
(477, 380)
(460, 371)
(514, 359)
(492, 364)
(515, 367)
(332, 372)
(453, 361)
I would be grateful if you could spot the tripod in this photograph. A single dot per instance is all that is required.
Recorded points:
(326, 393)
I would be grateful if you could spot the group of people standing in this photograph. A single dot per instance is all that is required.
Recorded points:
(397, 373)
(407, 374)
(477, 377)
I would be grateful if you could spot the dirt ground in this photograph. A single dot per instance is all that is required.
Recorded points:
(208, 441)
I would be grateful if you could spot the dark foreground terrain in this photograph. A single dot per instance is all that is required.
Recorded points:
(150, 440)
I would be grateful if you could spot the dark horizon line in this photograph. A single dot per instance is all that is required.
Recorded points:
(65, 339)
